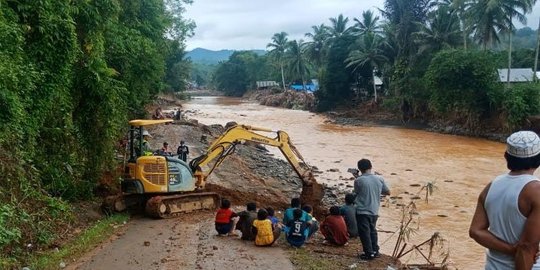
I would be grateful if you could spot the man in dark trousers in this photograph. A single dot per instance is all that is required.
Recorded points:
(368, 188)
(182, 151)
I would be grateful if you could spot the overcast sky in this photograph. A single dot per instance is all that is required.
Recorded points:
(250, 24)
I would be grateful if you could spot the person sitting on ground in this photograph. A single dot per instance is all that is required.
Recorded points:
(314, 225)
(288, 214)
(296, 229)
(348, 211)
(271, 217)
(262, 229)
(226, 219)
(276, 225)
(334, 229)
(158, 114)
(246, 221)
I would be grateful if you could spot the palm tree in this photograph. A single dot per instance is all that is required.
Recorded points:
(338, 27)
(296, 61)
(316, 48)
(370, 53)
(278, 49)
(460, 7)
(441, 31)
(489, 18)
(510, 8)
(404, 16)
(368, 24)
(493, 17)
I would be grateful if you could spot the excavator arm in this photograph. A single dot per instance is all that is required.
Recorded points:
(312, 192)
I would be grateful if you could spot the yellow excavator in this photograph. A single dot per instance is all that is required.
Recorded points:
(168, 186)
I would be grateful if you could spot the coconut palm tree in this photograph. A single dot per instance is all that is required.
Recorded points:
(493, 17)
(441, 31)
(368, 24)
(338, 27)
(278, 49)
(316, 48)
(369, 52)
(460, 7)
(404, 16)
(511, 9)
(489, 18)
(296, 60)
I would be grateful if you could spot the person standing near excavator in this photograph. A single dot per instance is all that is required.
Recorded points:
(507, 216)
(182, 151)
(368, 188)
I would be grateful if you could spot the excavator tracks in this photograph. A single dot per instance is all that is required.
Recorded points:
(168, 206)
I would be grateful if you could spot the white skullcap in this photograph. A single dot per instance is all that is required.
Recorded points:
(523, 144)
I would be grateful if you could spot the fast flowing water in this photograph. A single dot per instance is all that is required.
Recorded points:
(459, 166)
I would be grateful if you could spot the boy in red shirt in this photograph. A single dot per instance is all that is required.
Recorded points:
(334, 228)
(225, 219)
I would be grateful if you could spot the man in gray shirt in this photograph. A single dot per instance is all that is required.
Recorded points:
(368, 188)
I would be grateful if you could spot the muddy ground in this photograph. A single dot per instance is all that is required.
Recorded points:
(186, 242)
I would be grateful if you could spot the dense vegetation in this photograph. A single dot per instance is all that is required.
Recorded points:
(438, 60)
(71, 74)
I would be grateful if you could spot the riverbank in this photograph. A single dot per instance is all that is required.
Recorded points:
(371, 114)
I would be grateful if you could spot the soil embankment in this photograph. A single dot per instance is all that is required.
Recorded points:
(375, 114)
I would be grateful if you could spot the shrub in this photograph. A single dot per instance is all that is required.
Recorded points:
(462, 83)
(521, 101)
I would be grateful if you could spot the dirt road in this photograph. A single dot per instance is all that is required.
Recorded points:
(187, 242)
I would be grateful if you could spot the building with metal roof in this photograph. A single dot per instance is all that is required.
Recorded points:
(516, 75)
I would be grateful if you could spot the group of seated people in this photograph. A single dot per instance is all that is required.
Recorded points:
(298, 224)
(159, 114)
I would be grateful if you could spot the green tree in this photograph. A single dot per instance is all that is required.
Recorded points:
(368, 54)
(464, 85)
(71, 74)
(336, 79)
(338, 27)
(297, 61)
(277, 52)
(405, 16)
(317, 47)
(441, 31)
(237, 74)
(368, 25)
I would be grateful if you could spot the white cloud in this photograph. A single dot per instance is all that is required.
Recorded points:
(250, 24)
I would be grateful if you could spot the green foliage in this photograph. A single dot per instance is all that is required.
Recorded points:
(462, 82)
(519, 102)
(9, 218)
(240, 72)
(71, 74)
(337, 79)
(81, 244)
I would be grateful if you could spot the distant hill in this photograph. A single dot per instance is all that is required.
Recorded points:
(204, 56)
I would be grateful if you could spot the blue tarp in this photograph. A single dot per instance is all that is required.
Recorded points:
(309, 87)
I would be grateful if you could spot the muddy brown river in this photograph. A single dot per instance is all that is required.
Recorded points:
(459, 166)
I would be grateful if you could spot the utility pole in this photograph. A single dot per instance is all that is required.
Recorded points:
(536, 54)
